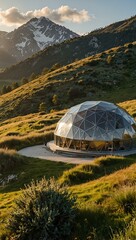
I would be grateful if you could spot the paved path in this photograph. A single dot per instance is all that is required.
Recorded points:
(40, 151)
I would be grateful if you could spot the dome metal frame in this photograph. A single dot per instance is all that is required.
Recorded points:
(96, 125)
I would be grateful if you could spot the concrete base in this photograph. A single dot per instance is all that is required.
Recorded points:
(87, 154)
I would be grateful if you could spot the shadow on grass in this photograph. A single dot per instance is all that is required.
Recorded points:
(101, 167)
(32, 168)
(95, 224)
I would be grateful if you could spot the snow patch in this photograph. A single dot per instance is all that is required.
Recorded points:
(42, 39)
(21, 46)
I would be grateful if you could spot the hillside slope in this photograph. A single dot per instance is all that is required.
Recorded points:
(107, 76)
(95, 42)
(98, 215)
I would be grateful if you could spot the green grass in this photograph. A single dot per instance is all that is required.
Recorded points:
(37, 128)
(98, 211)
(25, 171)
(128, 233)
(101, 167)
(126, 199)
(100, 81)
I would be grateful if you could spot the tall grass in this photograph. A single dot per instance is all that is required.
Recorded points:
(126, 199)
(99, 167)
(129, 232)
(9, 160)
(18, 142)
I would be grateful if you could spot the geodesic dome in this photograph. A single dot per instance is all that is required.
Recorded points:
(95, 125)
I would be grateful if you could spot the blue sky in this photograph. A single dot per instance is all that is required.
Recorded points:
(81, 16)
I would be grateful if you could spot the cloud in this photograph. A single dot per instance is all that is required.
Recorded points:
(13, 16)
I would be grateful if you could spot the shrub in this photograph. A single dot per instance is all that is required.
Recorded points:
(15, 85)
(55, 99)
(129, 233)
(126, 199)
(75, 92)
(130, 45)
(109, 59)
(24, 80)
(9, 160)
(45, 210)
(42, 107)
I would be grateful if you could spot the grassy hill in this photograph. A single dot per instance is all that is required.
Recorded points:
(99, 213)
(114, 35)
(103, 188)
(108, 76)
(37, 128)
(96, 185)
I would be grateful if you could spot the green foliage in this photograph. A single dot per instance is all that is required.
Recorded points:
(24, 80)
(109, 59)
(15, 85)
(75, 92)
(126, 199)
(130, 45)
(42, 107)
(9, 160)
(45, 210)
(6, 89)
(129, 232)
(32, 77)
(45, 70)
(98, 168)
(101, 78)
(55, 66)
(55, 99)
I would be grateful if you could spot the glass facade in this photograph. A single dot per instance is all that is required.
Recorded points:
(96, 125)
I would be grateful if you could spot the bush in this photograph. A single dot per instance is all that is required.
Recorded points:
(129, 233)
(42, 107)
(126, 199)
(109, 59)
(55, 99)
(75, 92)
(45, 210)
(130, 45)
(9, 160)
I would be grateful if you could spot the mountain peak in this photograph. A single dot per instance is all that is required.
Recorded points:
(33, 36)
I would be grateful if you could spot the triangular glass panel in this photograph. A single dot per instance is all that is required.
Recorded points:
(88, 125)
(78, 118)
(78, 124)
(82, 114)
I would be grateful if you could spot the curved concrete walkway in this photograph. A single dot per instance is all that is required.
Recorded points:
(40, 151)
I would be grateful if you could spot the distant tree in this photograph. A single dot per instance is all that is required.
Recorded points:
(109, 59)
(9, 89)
(45, 71)
(130, 45)
(42, 107)
(55, 66)
(4, 90)
(24, 80)
(32, 77)
(15, 85)
(75, 92)
(55, 99)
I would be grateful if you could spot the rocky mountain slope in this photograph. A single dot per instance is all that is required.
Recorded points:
(107, 76)
(32, 37)
(95, 42)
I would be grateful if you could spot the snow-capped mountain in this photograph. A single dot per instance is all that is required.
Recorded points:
(32, 37)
